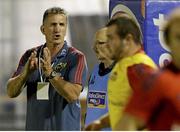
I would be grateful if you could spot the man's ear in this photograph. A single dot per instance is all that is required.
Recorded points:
(42, 29)
(128, 39)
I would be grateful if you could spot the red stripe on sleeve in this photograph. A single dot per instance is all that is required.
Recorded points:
(79, 69)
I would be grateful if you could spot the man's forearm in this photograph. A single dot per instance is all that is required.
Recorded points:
(66, 89)
(15, 85)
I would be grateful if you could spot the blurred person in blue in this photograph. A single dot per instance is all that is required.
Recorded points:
(54, 74)
(97, 104)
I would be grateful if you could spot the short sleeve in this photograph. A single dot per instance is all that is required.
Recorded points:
(78, 71)
(24, 59)
(22, 63)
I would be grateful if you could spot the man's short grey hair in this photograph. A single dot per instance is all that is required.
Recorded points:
(54, 10)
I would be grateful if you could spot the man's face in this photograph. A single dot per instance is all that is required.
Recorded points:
(100, 45)
(54, 28)
(174, 40)
(116, 45)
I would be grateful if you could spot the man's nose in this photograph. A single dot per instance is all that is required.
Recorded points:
(57, 28)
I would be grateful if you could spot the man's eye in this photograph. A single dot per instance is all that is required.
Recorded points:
(61, 24)
(53, 24)
(102, 43)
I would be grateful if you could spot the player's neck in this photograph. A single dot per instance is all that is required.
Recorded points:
(132, 50)
(54, 48)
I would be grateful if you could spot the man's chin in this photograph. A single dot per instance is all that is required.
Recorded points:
(57, 42)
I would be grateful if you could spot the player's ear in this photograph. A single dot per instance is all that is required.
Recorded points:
(42, 29)
(128, 39)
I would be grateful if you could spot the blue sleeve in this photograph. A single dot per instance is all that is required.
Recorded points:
(79, 70)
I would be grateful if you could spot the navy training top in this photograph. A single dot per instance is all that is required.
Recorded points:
(55, 113)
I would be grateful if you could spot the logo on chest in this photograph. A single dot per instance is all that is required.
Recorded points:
(96, 99)
(60, 66)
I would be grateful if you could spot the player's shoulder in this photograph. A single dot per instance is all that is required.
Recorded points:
(142, 74)
(95, 70)
(96, 67)
(28, 52)
(75, 51)
(144, 58)
(142, 69)
(75, 56)
(36, 48)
